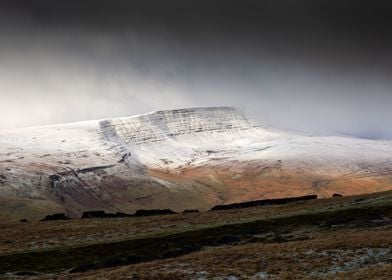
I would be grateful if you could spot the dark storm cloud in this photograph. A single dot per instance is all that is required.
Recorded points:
(316, 66)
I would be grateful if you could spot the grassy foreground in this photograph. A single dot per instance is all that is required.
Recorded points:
(317, 239)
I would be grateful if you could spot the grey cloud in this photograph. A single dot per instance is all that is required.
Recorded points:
(321, 79)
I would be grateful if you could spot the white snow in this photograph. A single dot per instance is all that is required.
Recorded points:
(179, 138)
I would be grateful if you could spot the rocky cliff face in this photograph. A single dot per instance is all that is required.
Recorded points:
(175, 137)
(163, 125)
(178, 159)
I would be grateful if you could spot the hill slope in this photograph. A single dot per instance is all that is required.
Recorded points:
(178, 159)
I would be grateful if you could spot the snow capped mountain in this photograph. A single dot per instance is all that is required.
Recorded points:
(178, 159)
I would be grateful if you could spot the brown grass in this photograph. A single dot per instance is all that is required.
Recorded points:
(234, 182)
(320, 254)
(17, 237)
(310, 259)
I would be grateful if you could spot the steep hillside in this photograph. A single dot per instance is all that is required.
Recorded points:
(178, 159)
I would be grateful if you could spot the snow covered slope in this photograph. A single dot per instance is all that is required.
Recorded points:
(178, 159)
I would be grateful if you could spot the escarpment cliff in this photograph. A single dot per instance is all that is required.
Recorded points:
(179, 159)
(176, 137)
(163, 125)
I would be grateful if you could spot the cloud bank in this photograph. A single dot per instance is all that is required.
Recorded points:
(320, 68)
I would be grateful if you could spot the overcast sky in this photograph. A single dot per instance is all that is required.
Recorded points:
(317, 66)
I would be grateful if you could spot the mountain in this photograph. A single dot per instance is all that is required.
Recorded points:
(177, 159)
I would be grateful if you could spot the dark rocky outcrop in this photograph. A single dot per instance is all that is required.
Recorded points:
(56, 217)
(139, 213)
(337, 195)
(263, 202)
(94, 215)
(94, 168)
(124, 157)
(153, 212)
(102, 215)
(24, 221)
(54, 179)
(190, 211)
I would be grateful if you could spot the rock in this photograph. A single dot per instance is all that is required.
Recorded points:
(337, 195)
(94, 215)
(125, 157)
(54, 179)
(24, 221)
(102, 215)
(56, 217)
(190, 211)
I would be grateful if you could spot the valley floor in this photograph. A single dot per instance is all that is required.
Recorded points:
(347, 238)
